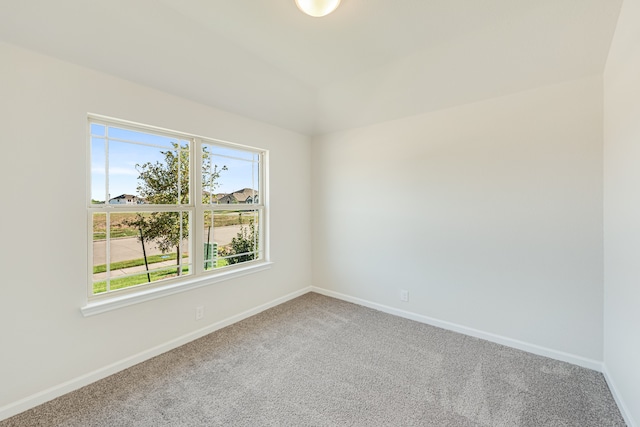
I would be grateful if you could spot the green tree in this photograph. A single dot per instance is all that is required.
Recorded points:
(167, 183)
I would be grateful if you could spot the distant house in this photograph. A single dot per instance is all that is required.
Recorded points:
(208, 197)
(246, 195)
(126, 199)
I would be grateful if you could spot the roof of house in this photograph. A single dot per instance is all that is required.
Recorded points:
(244, 194)
(240, 196)
(125, 196)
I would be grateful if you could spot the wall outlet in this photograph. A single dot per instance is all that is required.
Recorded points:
(404, 295)
(199, 312)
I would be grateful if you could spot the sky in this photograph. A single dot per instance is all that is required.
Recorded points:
(127, 148)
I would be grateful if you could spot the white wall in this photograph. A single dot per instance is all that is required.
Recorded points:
(622, 211)
(489, 214)
(44, 340)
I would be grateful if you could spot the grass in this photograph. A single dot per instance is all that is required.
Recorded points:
(220, 263)
(139, 279)
(125, 232)
(151, 259)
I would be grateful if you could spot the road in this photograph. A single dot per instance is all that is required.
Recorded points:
(130, 248)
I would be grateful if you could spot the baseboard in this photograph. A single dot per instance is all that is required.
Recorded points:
(83, 380)
(509, 342)
(618, 398)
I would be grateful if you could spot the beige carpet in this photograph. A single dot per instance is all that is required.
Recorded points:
(317, 361)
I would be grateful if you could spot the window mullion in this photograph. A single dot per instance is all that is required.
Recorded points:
(196, 193)
(107, 195)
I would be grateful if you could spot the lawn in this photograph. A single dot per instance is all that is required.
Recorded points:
(151, 259)
(139, 279)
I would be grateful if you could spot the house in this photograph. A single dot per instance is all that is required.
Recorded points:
(505, 132)
(245, 196)
(126, 199)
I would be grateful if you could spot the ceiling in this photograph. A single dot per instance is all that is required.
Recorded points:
(369, 61)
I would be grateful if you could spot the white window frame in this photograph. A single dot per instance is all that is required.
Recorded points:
(198, 277)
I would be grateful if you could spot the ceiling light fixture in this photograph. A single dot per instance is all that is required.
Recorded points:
(317, 8)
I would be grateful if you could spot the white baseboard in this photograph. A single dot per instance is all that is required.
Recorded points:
(509, 342)
(618, 398)
(83, 380)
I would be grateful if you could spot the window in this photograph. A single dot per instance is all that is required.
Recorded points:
(167, 208)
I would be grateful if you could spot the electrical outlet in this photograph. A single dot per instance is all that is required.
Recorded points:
(199, 312)
(404, 295)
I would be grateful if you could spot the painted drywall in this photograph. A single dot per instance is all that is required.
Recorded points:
(622, 211)
(44, 339)
(489, 214)
(481, 62)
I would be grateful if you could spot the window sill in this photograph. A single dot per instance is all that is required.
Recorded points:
(118, 301)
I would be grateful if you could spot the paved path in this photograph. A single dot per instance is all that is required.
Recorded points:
(130, 248)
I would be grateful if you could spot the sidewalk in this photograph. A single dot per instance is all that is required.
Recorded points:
(126, 248)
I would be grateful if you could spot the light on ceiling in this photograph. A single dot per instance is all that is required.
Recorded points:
(317, 8)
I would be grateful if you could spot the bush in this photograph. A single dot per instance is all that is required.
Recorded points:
(245, 244)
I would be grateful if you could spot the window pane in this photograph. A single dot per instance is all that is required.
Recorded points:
(144, 247)
(98, 170)
(230, 176)
(222, 151)
(212, 173)
(210, 245)
(162, 141)
(97, 130)
(140, 174)
(99, 225)
(232, 238)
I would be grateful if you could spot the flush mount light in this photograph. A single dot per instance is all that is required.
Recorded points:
(317, 8)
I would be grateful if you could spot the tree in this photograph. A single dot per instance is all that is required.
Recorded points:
(167, 183)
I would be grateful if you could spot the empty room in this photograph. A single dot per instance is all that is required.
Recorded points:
(320, 213)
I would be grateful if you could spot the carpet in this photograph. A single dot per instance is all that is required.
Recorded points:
(318, 361)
